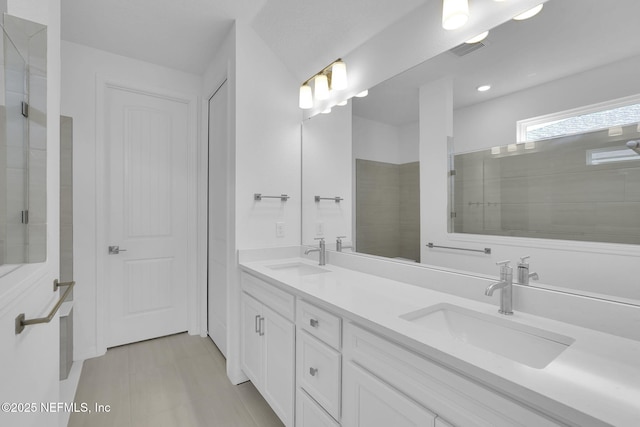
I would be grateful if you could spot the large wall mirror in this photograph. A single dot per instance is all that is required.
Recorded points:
(543, 164)
(23, 131)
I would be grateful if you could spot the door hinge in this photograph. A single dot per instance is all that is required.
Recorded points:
(25, 109)
(25, 217)
(452, 172)
(453, 214)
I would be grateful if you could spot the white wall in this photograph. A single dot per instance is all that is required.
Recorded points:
(81, 67)
(382, 142)
(326, 162)
(30, 360)
(607, 269)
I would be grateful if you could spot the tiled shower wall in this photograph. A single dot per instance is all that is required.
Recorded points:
(550, 191)
(388, 209)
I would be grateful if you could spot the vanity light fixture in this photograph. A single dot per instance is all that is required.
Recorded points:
(332, 77)
(529, 13)
(363, 93)
(483, 88)
(478, 38)
(455, 13)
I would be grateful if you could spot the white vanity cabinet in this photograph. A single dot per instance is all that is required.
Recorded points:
(318, 366)
(268, 344)
(401, 385)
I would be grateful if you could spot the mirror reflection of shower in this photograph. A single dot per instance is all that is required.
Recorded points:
(634, 145)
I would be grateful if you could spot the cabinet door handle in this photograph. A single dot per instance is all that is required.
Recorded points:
(313, 323)
(261, 327)
(256, 323)
(313, 371)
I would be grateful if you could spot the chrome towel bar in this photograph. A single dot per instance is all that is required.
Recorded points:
(259, 196)
(484, 251)
(336, 199)
(21, 321)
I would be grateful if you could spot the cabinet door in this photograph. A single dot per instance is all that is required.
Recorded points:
(251, 340)
(370, 402)
(279, 364)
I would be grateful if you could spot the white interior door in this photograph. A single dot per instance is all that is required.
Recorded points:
(219, 228)
(146, 215)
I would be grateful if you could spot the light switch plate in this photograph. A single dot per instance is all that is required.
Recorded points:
(280, 229)
(319, 228)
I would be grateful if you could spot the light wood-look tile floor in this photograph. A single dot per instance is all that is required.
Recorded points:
(174, 381)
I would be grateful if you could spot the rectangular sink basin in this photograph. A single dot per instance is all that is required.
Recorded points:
(521, 343)
(298, 268)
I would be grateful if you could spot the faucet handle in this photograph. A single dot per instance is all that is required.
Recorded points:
(318, 238)
(503, 263)
(523, 260)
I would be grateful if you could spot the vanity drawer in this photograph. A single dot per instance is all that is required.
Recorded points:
(277, 299)
(319, 371)
(310, 414)
(319, 323)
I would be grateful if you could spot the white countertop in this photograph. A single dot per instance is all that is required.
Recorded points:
(598, 375)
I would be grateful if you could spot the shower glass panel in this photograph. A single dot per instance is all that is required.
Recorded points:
(583, 187)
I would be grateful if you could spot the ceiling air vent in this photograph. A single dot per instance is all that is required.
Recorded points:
(466, 48)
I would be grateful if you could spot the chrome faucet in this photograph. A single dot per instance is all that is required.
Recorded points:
(523, 272)
(506, 288)
(339, 245)
(322, 252)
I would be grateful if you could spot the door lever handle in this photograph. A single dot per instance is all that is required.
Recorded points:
(115, 250)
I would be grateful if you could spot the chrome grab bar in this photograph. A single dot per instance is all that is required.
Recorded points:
(21, 320)
(486, 251)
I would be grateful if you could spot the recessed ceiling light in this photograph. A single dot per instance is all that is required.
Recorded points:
(478, 38)
(529, 13)
(455, 13)
(342, 103)
(363, 93)
(326, 111)
(483, 88)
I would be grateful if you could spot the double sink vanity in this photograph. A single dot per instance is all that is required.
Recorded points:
(331, 345)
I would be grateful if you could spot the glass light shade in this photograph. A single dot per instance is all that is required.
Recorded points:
(339, 75)
(529, 13)
(363, 93)
(483, 88)
(306, 98)
(321, 87)
(455, 13)
(478, 38)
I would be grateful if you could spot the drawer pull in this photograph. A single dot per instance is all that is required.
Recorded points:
(261, 326)
(313, 323)
(256, 323)
(313, 371)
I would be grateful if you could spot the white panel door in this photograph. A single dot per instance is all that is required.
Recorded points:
(370, 402)
(218, 224)
(146, 215)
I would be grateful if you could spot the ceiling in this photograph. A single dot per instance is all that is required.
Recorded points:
(185, 34)
(567, 37)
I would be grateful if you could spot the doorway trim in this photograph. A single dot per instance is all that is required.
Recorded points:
(104, 83)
